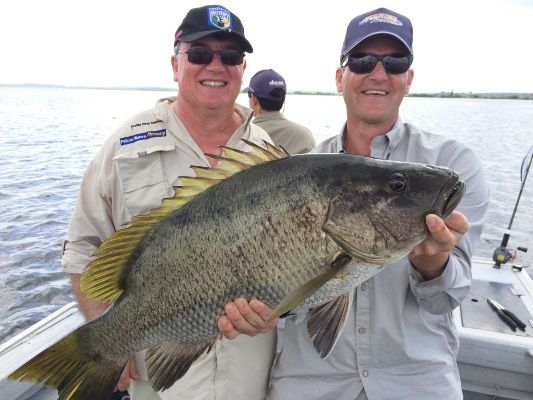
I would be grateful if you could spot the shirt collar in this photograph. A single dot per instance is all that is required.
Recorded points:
(383, 143)
(162, 108)
(391, 139)
(268, 115)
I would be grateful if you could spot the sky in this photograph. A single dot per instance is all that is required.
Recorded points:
(459, 45)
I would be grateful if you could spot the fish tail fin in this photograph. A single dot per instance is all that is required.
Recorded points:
(78, 374)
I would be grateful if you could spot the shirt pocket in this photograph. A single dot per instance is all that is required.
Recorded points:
(143, 179)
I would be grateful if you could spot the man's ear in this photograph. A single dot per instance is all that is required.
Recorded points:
(338, 79)
(410, 76)
(174, 62)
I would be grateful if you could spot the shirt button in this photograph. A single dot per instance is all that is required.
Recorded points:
(365, 373)
(363, 286)
(362, 329)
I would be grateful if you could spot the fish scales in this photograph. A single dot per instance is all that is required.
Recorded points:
(277, 244)
(298, 232)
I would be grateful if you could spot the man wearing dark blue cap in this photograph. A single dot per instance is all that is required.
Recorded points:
(399, 341)
(140, 163)
(266, 95)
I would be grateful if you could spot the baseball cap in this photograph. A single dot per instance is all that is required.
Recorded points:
(381, 21)
(263, 83)
(211, 20)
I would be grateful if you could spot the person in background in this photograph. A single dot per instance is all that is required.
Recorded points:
(139, 164)
(399, 341)
(266, 95)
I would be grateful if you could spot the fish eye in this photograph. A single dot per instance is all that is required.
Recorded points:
(398, 182)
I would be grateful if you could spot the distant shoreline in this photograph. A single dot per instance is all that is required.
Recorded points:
(447, 95)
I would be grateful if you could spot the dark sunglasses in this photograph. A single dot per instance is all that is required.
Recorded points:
(204, 55)
(365, 63)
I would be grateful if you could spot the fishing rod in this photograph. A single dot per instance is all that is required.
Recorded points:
(502, 254)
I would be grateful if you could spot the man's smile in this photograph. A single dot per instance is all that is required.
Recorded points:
(213, 83)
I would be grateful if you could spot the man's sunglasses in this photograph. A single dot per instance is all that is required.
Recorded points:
(365, 63)
(204, 55)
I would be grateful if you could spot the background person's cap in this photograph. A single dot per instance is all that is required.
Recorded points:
(211, 20)
(378, 22)
(263, 83)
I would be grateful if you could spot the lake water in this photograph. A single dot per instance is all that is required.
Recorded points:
(48, 136)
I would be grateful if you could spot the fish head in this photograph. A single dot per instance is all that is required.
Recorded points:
(377, 213)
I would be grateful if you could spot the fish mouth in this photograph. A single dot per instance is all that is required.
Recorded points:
(450, 196)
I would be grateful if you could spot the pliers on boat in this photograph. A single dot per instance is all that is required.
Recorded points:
(507, 316)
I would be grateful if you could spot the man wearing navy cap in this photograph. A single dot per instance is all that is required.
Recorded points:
(266, 95)
(138, 166)
(399, 341)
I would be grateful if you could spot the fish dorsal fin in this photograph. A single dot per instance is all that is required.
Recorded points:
(326, 322)
(102, 278)
(168, 361)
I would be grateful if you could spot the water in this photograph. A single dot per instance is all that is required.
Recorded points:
(48, 136)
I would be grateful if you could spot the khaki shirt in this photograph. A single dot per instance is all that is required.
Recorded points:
(133, 171)
(293, 137)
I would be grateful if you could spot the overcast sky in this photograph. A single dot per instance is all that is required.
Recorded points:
(460, 45)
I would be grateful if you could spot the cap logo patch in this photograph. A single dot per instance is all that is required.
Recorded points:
(276, 83)
(381, 17)
(219, 18)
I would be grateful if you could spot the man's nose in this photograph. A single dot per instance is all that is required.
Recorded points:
(379, 70)
(216, 61)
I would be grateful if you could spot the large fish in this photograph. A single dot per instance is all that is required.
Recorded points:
(291, 231)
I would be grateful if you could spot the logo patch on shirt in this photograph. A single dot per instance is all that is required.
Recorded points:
(142, 136)
(219, 18)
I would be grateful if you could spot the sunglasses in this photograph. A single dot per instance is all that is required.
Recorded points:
(365, 63)
(204, 55)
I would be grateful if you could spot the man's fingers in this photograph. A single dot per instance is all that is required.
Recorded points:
(245, 317)
(436, 226)
(444, 234)
(264, 312)
(226, 328)
(130, 371)
(124, 381)
(134, 374)
(457, 222)
(252, 317)
(236, 317)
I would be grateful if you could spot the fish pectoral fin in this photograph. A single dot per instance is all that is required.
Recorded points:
(326, 323)
(169, 361)
(310, 287)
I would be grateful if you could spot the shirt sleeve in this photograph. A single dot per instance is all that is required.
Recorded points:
(92, 220)
(445, 292)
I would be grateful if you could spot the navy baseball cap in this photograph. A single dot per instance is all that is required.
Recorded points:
(381, 21)
(264, 82)
(211, 20)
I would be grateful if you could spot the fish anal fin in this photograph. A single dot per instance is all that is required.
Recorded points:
(326, 322)
(167, 362)
(310, 287)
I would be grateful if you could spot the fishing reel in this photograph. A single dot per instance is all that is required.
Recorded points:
(503, 255)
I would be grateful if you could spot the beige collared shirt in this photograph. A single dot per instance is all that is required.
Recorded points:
(134, 170)
(293, 137)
